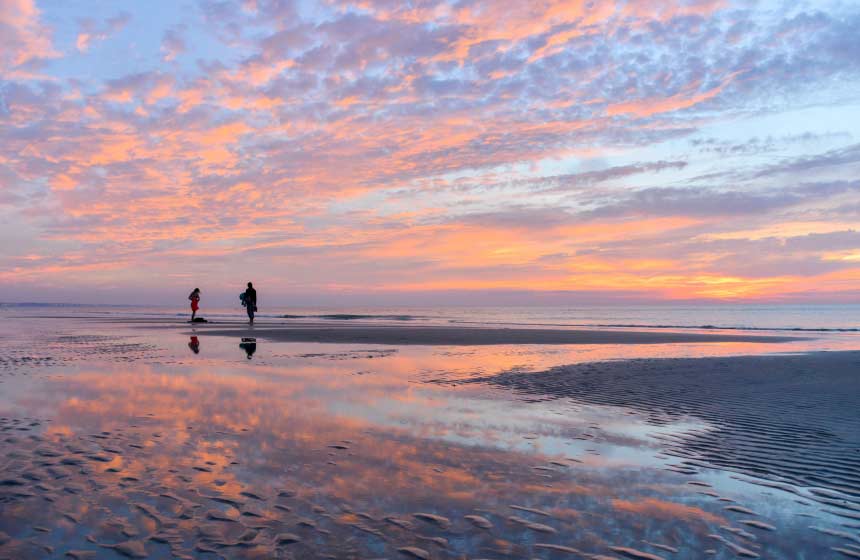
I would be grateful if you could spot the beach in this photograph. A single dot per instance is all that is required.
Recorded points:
(130, 437)
(430, 280)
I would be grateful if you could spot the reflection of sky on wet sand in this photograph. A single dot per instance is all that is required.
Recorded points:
(140, 446)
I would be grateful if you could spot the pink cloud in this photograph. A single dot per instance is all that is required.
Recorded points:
(24, 39)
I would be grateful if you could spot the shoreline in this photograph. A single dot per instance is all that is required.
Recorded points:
(401, 334)
(466, 336)
(338, 320)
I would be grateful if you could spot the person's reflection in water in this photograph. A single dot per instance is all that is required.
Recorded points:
(194, 344)
(249, 345)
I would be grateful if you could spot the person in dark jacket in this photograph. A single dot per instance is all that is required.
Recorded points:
(250, 301)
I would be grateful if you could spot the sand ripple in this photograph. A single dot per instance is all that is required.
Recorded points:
(790, 422)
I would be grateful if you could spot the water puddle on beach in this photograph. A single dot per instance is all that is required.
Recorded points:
(158, 444)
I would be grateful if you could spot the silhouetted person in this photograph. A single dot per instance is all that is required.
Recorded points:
(194, 344)
(195, 302)
(250, 302)
(249, 347)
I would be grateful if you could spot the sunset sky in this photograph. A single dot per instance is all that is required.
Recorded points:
(430, 151)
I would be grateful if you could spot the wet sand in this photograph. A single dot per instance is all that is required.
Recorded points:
(127, 442)
(469, 336)
(793, 421)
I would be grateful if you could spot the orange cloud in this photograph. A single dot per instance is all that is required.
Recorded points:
(648, 107)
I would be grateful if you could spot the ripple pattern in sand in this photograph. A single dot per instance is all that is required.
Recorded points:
(791, 422)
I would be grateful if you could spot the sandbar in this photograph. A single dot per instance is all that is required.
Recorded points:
(470, 336)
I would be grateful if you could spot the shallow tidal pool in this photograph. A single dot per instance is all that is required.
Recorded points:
(160, 443)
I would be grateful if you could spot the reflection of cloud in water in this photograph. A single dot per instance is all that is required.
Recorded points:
(301, 457)
(348, 485)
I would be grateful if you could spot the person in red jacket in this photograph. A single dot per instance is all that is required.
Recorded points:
(195, 302)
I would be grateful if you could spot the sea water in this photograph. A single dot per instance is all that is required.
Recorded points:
(842, 317)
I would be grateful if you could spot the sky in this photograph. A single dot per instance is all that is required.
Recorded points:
(430, 151)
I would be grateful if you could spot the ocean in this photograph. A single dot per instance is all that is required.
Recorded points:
(839, 318)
